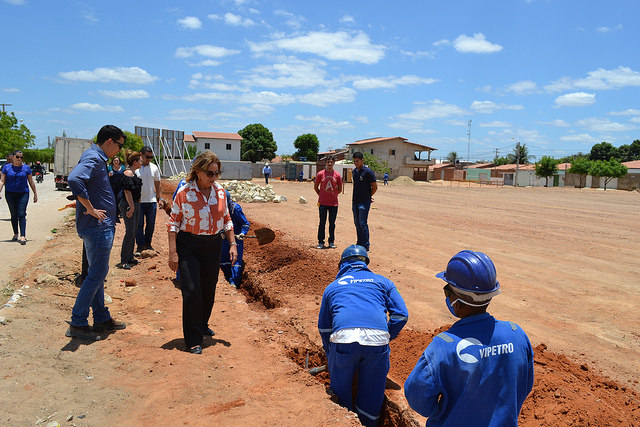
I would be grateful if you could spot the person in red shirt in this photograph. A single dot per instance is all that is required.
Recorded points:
(199, 216)
(328, 185)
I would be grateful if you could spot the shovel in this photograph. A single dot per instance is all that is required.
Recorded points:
(264, 236)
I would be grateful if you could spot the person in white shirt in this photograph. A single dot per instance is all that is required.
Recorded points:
(150, 175)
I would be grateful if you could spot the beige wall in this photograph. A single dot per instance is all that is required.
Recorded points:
(396, 162)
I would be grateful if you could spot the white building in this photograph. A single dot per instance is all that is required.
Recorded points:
(225, 145)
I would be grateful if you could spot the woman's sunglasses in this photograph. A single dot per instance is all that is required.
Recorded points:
(210, 174)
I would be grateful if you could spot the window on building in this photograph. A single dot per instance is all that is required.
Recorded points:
(228, 146)
(372, 151)
(392, 152)
(207, 146)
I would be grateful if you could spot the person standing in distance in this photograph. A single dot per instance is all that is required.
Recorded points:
(150, 175)
(95, 222)
(266, 171)
(480, 371)
(328, 186)
(359, 314)
(16, 179)
(364, 187)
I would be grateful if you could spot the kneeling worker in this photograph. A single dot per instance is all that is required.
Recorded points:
(480, 371)
(360, 313)
(233, 273)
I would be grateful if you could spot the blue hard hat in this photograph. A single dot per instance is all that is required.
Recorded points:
(471, 272)
(355, 251)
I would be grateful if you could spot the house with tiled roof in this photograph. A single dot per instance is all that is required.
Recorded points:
(225, 145)
(405, 158)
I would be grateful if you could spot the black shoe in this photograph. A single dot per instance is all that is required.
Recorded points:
(319, 246)
(149, 248)
(133, 262)
(124, 266)
(208, 331)
(177, 283)
(196, 349)
(109, 325)
(83, 333)
(332, 246)
(78, 280)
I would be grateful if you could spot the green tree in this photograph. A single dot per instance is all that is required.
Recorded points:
(572, 157)
(520, 155)
(607, 169)
(12, 136)
(580, 166)
(308, 146)
(133, 142)
(627, 153)
(375, 164)
(257, 143)
(547, 167)
(42, 155)
(190, 151)
(603, 151)
(452, 157)
(499, 161)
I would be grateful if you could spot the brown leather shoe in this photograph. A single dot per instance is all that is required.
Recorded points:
(109, 325)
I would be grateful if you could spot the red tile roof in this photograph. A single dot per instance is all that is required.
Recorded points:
(379, 139)
(188, 138)
(634, 164)
(216, 135)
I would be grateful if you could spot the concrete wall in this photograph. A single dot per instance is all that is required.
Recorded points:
(219, 146)
(631, 181)
(382, 150)
(230, 169)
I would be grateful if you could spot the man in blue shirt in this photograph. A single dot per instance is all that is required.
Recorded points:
(364, 187)
(266, 170)
(95, 223)
(480, 371)
(359, 314)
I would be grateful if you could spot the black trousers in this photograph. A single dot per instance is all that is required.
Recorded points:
(333, 213)
(199, 264)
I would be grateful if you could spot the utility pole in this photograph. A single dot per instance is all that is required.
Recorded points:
(469, 140)
(517, 162)
(5, 105)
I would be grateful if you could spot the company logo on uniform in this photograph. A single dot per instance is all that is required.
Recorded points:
(345, 280)
(482, 352)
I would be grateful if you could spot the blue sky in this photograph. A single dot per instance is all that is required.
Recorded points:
(557, 75)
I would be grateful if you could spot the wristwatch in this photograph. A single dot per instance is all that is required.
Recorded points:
(233, 243)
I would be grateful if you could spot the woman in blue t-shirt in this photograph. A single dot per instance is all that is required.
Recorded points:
(16, 178)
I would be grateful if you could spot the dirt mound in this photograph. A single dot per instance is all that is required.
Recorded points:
(402, 180)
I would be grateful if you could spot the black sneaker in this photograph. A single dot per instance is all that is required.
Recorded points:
(332, 246)
(319, 246)
(109, 325)
(124, 266)
(83, 333)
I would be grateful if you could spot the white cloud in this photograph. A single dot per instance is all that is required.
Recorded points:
(597, 124)
(582, 137)
(435, 110)
(338, 46)
(291, 72)
(557, 123)
(190, 23)
(361, 119)
(85, 106)
(495, 124)
(205, 50)
(487, 107)
(10, 90)
(418, 54)
(325, 124)
(599, 79)
(134, 75)
(329, 96)
(475, 44)
(238, 21)
(347, 19)
(125, 94)
(523, 88)
(627, 112)
(390, 82)
(293, 21)
(16, 2)
(607, 29)
(576, 99)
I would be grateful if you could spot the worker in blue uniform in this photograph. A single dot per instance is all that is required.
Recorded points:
(359, 314)
(478, 372)
(233, 273)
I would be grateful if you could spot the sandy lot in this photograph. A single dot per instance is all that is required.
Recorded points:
(567, 260)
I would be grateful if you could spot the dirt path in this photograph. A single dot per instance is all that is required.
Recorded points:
(567, 260)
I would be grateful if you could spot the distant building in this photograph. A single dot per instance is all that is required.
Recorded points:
(225, 145)
(404, 158)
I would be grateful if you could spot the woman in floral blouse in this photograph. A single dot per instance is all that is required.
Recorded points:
(199, 216)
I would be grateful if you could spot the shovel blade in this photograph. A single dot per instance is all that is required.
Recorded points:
(265, 235)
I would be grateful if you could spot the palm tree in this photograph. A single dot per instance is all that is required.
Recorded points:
(452, 157)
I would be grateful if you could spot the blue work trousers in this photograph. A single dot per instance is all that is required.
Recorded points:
(17, 203)
(233, 273)
(371, 363)
(360, 217)
(98, 241)
(145, 233)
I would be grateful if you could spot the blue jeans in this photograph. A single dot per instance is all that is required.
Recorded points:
(360, 216)
(145, 234)
(17, 203)
(372, 365)
(97, 241)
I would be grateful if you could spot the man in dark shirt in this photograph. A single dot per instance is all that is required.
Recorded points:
(95, 223)
(364, 187)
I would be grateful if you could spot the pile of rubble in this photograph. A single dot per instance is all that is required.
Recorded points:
(250, 192)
